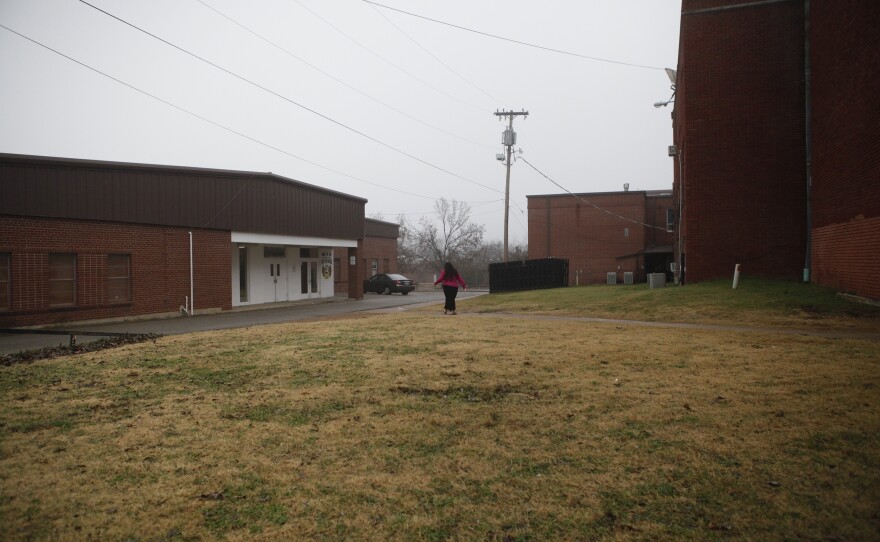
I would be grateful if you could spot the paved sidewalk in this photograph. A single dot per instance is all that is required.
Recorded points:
(236, 318)
(298, 311)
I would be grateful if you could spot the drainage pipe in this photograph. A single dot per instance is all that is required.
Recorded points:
(192, 295)
(680, 270)
(808, 135)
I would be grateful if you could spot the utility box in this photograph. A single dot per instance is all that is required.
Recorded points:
(656, 280)
(627, 277)
(611, 278)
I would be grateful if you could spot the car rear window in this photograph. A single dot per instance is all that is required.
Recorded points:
(397, 277)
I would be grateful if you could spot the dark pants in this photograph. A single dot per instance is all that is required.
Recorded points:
(450, 292)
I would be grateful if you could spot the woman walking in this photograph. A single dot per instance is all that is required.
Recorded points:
(450, 279)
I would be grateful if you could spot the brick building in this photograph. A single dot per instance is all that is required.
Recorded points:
(83, 240)
(603, 232)
(777, 166)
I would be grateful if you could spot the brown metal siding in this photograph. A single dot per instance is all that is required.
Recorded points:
(183, 197)
(379, 228)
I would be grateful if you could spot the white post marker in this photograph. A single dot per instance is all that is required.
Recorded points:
(735, 276)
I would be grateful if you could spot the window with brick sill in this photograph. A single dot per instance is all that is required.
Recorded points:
(118, 278)
(62, 280)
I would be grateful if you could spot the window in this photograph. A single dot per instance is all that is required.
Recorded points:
(242, 274)
(670, 219)
(626, 232)
(386, 267)
(374, 267)
(5, 295)
(119, 278)
(62, 280)
(273, 252)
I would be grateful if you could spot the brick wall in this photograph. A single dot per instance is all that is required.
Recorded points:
(740, 125)
(159, 268)
(845, 257)
(655, 215)
(845, 50)
(382, 249)
(595, 242)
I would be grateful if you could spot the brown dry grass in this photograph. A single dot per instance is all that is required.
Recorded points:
(415, 426)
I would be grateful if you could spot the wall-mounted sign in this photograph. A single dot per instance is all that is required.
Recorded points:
(326, 264)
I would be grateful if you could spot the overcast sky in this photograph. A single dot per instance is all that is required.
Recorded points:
(348, 95)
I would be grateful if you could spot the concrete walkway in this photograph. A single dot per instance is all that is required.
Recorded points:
(236, 318)
(307, 310)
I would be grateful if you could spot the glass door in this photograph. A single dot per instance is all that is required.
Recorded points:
(242, 274)
(308, 277)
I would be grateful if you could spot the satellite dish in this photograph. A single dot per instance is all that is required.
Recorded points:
(671, 74)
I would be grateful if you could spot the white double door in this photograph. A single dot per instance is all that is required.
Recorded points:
(288, 279)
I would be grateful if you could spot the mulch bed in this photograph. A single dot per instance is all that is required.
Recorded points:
(30, 356)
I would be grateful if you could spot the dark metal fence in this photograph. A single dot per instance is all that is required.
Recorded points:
(528, 275)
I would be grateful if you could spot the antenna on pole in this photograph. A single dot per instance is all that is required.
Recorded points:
(508, 139)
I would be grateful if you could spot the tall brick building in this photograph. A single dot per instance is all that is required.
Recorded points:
(603, 232)
(777, 163)
(82, 239)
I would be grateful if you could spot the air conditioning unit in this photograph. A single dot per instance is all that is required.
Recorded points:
(611, 278)
(672, 150)
(656, 280)
(627, 277)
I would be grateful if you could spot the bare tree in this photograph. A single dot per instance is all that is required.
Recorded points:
(477, 269)
(447, 236)
(407, 260)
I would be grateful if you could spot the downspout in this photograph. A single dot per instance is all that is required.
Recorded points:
(192, 296)
(680, 212)
(549, 236)
(808, 135)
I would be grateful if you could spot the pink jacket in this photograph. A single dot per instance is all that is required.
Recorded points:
(450, 282)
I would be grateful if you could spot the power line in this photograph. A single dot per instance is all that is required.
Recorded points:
(325, 117)
(383, 59)
(209, 121)
(621, 217)
(432, 55)
(470, 203)
(560, 51)
(338, 80)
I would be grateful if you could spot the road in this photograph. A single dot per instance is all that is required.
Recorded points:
(250, 316)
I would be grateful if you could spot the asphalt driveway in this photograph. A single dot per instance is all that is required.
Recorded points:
(246, 317)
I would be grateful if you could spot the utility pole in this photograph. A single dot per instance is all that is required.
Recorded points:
(508, 139)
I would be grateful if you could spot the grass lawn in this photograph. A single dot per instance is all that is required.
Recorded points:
(418, 426)
(755, 302)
